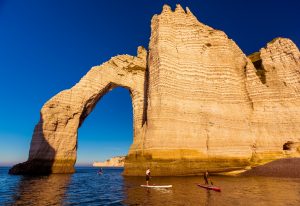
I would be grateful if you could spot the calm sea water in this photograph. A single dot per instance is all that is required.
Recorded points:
(85, 187)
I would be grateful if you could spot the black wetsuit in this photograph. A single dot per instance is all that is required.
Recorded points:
(148, 177)
(205, 176)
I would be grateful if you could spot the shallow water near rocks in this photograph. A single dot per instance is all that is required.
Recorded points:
(85, 187)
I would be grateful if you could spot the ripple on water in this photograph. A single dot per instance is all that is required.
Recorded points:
(85, 187)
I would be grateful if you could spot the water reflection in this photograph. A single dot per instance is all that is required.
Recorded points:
(42, 190)
(184, 192)
(85, 187)
(235, 191)
(208, 197)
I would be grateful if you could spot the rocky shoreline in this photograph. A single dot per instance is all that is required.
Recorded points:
(288, 167)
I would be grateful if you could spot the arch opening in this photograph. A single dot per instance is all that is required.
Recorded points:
(107, 131)
(54, 142)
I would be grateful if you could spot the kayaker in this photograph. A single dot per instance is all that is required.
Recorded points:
(206, 178)
(148, 176)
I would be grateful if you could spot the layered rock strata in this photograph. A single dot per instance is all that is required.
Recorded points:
(199, 103)
(54, 142)
(274, 90)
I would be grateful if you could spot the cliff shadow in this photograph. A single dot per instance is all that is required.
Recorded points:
(35, 165)
(146, 91)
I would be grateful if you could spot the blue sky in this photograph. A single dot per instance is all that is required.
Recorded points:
(48, 45)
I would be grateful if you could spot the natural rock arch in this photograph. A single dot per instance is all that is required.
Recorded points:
(201, 104)
(54, 143)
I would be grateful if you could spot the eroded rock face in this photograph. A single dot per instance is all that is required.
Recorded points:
(199, 103)
(275, 95)
(197, 90)
(54, 142)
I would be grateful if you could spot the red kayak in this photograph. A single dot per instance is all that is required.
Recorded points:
(210, 187)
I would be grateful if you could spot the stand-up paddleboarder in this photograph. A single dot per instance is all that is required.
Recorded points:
(206, 178)
(100, 171)
(148, 176)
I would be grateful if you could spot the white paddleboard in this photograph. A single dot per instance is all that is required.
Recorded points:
(157, 186)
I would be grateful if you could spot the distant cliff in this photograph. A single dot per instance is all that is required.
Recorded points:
(112, 162)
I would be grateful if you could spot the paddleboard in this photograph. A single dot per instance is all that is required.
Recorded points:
(210, 187)
(157, 186)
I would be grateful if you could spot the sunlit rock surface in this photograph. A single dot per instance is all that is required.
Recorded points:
(199, 103)
(54, 143)
(112, 162)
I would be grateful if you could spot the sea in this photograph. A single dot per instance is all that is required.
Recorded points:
(86, 187)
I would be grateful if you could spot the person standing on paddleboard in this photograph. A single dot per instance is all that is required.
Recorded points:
(206, 178)
(100, 171)
(148, 176)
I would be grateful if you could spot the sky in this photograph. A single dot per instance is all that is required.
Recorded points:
(47, 45)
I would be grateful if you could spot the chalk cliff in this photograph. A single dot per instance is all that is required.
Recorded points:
(54, 142)
(112, 162)
(199, 103)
